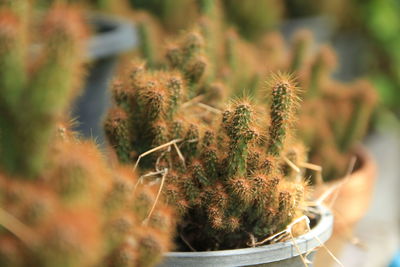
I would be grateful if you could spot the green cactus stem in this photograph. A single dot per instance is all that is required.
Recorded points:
(283, 106)
(300, 47)
(363, 98)
(322, 67)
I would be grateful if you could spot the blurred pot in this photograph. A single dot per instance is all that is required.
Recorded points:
(279, 254)
(112, 37)
(350, 203)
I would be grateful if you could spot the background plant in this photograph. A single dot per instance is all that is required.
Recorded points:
(219, 46)
(335, 114)
(254, 18)
(174, 15)
(368, 29)
(377, 24)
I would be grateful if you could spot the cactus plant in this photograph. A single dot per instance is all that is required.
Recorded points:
(62, 204)
(224, 171)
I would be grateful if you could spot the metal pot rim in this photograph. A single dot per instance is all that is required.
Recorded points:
(258, 255)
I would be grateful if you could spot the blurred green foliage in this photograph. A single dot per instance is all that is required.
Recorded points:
(381, 22)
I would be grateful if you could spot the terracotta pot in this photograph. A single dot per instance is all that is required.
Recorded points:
(350, 201)
(353, 194)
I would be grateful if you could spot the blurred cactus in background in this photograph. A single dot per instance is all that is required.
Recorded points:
(253, 18)
(367, 34)
(138, 224)
(61, 203)
(222, 44)
(42, 87)
(150, 35)
(174, 15)
(213, 55)
(335, 115)
(377, 23)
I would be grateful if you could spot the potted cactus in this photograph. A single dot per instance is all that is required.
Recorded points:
(334, 115)
(62, 204)
(232, 175)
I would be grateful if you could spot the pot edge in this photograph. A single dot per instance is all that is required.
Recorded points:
(257, 255)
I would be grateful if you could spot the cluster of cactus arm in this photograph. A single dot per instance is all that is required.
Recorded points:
(232, 171)
(224, 170)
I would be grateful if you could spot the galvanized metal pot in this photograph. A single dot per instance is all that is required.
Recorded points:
(279, 254)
